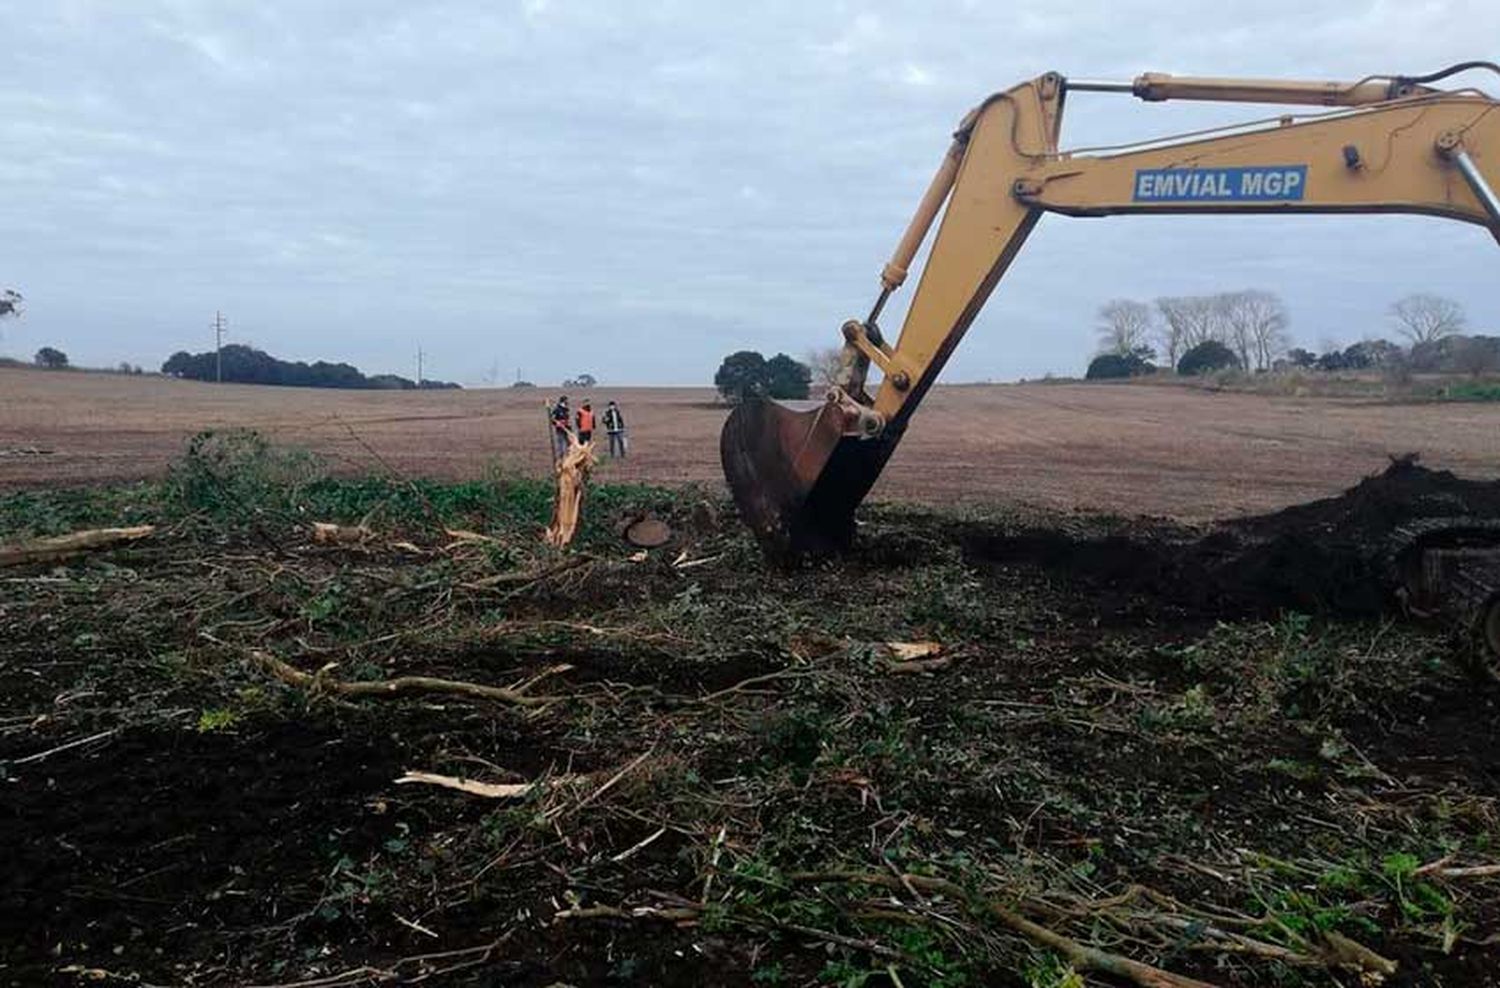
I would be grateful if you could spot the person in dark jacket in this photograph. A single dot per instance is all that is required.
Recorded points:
(614, 424)
(561, 421)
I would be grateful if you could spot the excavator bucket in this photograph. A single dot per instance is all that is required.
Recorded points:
(797, 476)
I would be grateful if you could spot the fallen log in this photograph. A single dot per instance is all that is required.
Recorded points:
(399, 686)
(63, 546)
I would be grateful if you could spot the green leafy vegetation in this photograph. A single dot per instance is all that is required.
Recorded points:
(1472, 391)
(221, 719)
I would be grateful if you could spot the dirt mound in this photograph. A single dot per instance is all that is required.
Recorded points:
(1330, 555)
(1403, 493)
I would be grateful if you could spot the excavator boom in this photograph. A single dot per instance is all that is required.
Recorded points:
(1390, 144)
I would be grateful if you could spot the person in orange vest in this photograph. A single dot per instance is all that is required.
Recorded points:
(586, 422)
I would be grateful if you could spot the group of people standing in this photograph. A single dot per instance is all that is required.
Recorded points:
(565, 421)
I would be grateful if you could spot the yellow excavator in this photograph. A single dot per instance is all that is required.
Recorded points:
(1385, 144)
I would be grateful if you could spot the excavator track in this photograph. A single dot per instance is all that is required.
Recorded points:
(1449, 568)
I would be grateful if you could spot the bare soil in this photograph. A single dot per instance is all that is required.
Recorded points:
(1122, 449)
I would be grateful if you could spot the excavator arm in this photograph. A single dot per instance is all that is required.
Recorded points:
(1388, 145)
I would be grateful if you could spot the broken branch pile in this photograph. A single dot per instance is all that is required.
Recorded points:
(935, 768)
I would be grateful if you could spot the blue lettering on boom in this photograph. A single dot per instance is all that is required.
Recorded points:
(1275, 183)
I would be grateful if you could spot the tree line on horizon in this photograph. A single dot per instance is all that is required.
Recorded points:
(1249, 331)
(240, 364)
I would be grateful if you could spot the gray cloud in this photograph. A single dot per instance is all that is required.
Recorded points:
(629, 189)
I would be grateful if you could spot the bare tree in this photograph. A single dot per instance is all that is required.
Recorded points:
(825, 364)
(1255, 324)
(1170, 331)
(1187, 321)
(1237, 334)
(1424, 318)
(1124, 326)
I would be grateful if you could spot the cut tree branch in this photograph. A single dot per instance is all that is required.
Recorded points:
(392, 687)
(489, 790)
(62, 546)
(1082, 957)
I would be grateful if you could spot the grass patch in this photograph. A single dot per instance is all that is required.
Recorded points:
(1472, 391)
(238, 482)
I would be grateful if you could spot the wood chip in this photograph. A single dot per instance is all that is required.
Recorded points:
(328, 533)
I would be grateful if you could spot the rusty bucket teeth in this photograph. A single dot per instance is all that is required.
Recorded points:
(796, 478)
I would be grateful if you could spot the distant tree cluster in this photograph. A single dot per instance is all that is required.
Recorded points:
(1247, 330)
(1431, 326)
(583, 381)
(1117, 365)
(1251, 324)
(747, 374)
(246, 365)
(1207, 357)
(51, 358)
(1364, 355)
(1475, 355)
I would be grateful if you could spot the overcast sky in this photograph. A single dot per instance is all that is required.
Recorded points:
(633, 189)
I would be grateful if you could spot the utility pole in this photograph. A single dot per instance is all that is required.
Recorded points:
(419, 368)
(218, 347)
